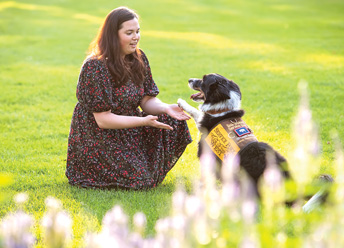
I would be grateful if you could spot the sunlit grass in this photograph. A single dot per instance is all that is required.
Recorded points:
(208, 40)
(327, 61)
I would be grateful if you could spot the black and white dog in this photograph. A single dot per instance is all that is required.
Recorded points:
(219, 119)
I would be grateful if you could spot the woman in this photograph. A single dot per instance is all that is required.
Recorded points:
(112, 143)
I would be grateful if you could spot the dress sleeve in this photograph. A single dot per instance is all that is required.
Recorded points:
(150, 88)
(93, 90)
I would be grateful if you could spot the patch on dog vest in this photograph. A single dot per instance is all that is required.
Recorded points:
(241, 131)
(229, 136)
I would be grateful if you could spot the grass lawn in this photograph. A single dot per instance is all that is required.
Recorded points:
(266, 47)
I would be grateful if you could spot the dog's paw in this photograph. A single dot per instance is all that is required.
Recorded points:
(181, 103)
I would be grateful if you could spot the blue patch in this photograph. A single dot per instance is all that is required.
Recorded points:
(241, 131)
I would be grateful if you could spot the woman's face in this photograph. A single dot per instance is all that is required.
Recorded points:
(129, 36)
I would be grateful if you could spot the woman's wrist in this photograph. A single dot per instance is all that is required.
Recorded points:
(164, 108)
(143, 121)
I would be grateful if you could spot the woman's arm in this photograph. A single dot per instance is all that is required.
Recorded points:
(152, 105)
(108, 120)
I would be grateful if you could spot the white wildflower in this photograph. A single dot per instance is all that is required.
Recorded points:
(15, 230)
(57, 225)
(21, 198)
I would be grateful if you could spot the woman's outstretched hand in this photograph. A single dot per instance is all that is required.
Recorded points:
(151, 120)
(177, 112)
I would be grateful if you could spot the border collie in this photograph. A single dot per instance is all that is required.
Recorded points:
(223, 131)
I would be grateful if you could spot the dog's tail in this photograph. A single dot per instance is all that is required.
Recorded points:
(319, 197)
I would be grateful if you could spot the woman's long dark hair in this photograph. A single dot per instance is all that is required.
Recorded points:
(106, 47)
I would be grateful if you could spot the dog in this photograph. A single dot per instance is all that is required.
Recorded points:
(223, 131)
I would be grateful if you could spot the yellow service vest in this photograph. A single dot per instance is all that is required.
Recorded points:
(229, 137)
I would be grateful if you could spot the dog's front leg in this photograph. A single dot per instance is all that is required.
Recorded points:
(196, 114)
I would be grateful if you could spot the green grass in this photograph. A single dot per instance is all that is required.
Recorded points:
(266, 47)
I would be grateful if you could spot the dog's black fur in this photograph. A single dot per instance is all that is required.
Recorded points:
(216, 89)
(221, 100)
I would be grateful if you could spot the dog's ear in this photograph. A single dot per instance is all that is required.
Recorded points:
(235, 87)
(225, 91)
(213, 86)
(216, 93)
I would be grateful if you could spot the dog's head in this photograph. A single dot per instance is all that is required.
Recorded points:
(216, 92)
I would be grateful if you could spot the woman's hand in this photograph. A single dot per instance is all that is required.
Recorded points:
(151, 120)
(176, 112)
(108, 120)
(154, 106)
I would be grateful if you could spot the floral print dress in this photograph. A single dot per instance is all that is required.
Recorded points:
(132, 158)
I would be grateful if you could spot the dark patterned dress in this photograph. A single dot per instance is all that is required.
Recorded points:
(132, 158)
